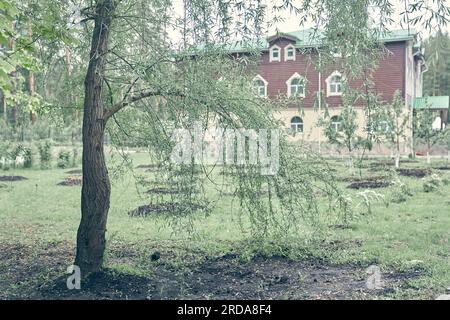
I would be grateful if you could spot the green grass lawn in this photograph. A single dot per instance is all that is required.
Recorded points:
(411, 236)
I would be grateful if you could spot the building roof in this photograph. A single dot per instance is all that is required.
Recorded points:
(311, 38)
(435, 102)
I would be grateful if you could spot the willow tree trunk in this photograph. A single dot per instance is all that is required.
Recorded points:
(96, 190)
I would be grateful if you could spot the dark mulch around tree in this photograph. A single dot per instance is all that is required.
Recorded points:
(359, 179)
(164, 207)
(442, 168)
(12, 178)
(76, 171)
(107, 284)
(368, 185)
(41, 272)
(228, 278)
(71, 181)
(413, 172)
(162, 190)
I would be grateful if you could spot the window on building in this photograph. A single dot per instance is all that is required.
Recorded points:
(289, 53)
(275, 54)
(260, 86)
(296, 86)
(297, 125)
(336, 124)
(334, 84)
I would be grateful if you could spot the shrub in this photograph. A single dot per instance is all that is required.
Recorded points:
(9, 155)
(27, 157)
(431, 184)
(63, 159)
(45, 154)
(400, 191)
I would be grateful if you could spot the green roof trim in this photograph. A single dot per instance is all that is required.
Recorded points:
(312, 38)
(436, 102)
(305, 38)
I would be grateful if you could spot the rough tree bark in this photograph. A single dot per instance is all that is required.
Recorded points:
(96, 190)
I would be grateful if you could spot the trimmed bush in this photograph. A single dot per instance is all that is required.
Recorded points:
(63, 159)
(45, 155)
(27, 157)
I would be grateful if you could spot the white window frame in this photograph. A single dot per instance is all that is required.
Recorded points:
(286, 49)
(328, 81)
(297, 125)
(259, 77)
(271, 58)
(288, 83)
(336, 125)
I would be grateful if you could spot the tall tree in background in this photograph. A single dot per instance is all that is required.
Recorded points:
(436, 81)
(28, 29)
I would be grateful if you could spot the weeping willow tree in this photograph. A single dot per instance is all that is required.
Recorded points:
(141, 86)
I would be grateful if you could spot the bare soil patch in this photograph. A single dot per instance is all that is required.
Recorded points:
(369, 184)
(38, 272)
(413, 172)
(359, 179)
(71, 181)
(161, 190)
(12, 178)
(443, 168)
(164, 207)
(228, 278)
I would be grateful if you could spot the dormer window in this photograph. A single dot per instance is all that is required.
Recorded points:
(296, 86)
(289, 53)
(260, 86)
(275, 54)
(334, 84)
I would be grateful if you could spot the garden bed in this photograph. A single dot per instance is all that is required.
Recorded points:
(162, 190)
(12, 178)
(227, 277)
(369, 184)
(417, 173)
(71, 181)
(164, 207)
